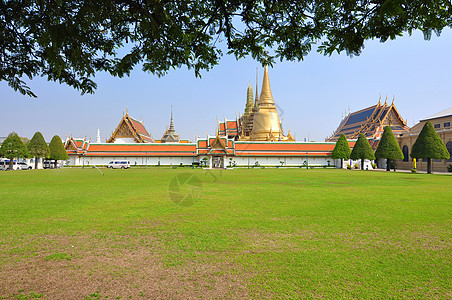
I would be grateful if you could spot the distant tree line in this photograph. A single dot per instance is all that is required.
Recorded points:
(14, 147)
(428, 145)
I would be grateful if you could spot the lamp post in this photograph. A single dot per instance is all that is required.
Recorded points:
(146, 161)
(193, 163)
(248, 160)
(83, 156)
(307, 161)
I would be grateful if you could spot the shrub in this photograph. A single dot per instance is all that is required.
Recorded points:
(413, 170)
(449, 168)
(349, 167)
(341, 150)
(356, 166)
(374, 166)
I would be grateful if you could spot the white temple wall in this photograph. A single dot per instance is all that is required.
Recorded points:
(241, 161)
(124, 140)
(134, 160)
(276, 161)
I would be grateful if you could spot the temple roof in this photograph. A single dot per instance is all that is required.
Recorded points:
(132, 128)
(441, 114)
(370, 121)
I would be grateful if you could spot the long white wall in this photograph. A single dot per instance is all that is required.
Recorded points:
(274, 161)
(134, 160)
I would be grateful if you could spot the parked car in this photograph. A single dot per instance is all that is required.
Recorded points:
(47, 164)
(4, 165)
(119, 164)
(25, 166)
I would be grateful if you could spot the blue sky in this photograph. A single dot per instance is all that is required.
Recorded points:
(312, 94)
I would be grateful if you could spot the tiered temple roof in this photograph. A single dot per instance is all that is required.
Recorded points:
(130, 128)
(370, 121)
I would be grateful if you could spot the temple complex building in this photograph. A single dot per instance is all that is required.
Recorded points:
(255, 139)
(442, 124)
(370, 121)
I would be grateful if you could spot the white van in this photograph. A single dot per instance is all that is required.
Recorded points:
(119, 164)
(4, 165)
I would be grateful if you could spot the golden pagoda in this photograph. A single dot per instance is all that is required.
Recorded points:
(266, 124)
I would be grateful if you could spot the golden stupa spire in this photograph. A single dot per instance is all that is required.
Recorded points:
(266, 97)
(266, 125)
(256, 101)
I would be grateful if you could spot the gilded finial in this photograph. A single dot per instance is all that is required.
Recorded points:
(379, 100)
(127, 111)
(123, 112)
(386, 100)
(393, 98)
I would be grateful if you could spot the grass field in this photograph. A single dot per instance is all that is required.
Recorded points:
(284, 233)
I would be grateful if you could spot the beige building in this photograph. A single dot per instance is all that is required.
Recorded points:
(442, 123)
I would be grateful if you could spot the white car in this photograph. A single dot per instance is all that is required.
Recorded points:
(4, 165)
(119, 164)
(25, 166)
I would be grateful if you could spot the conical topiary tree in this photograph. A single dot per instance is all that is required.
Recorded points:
(57, 151)
(341, 150)
(38, 147)
(429, 145)
(388, 148)
(362, 150)
(13, 147)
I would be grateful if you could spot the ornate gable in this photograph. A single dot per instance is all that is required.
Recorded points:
(131, 129)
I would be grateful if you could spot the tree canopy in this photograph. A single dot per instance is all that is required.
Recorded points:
(13, 147)
(70, 41)
(57, 151)
(362, 149)
(38, 147)
(342, 148)
(429, 145)
(388, 147)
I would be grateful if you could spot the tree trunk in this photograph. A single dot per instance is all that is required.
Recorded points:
(388, 164)
(11, 164)
(429, 166)
(55, 164)
(342, 163)
(362, 164)
(36, 162)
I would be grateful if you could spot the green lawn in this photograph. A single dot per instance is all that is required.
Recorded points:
(284, 233)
